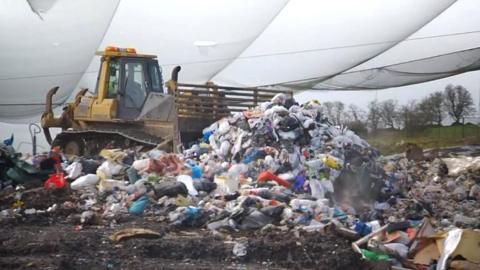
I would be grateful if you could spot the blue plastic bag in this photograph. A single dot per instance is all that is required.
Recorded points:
(299, 182)
(362, 228)
(206, 136)
(196, 172)
(139, 205)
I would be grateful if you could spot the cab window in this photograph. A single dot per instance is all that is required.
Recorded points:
(135, 90)
(156, 78)
(113, 78)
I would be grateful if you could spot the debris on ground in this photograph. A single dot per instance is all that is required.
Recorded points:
(133, 232)
(277, 186)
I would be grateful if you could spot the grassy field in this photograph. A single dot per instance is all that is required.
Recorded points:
(394, 141)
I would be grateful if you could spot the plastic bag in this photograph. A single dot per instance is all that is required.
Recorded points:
(110, 184)
(74, 170)
(86, 181)
(317, 189)
(140, 164)
(398, 248)
(224, 148)
(332, 162)
(55, 181)
(224, 127)
(266, 176)
(170, 189)
(139, 206)
(255, 220)
(196, 172)
(188, 182)
(205, 186)
(109, 168)
(372, 256)
(303, 205)
(233, 176)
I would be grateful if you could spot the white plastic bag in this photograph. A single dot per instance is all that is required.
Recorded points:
(318, 191)
(110, 168)
(140, 164)
(110, 184)
(327, 186)
(86, 181)
(224, 148)
(224, 127)
(155, 153)
(188, 181)
(74, 170)
(233, 175)
(221, 181)
(303, 205)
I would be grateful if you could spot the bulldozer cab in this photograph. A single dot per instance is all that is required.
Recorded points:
(129, 81)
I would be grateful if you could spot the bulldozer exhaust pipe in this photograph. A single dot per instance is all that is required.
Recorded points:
(175, 72)
(172, 83)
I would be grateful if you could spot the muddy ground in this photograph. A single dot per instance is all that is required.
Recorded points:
(55, 241)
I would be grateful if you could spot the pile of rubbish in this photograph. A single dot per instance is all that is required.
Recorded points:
(279, 166)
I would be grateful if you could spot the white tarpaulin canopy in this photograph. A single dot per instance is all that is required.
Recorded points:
(334, 44)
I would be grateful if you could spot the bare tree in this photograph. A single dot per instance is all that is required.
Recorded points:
(407, 113)
(356, 113)
(388, 110)
(373, 115)
(432, 108)
(355, 119)
(338, 112)
(413, 118)
(327, 108)
(458, 102)
(425, 109)
(436, 104)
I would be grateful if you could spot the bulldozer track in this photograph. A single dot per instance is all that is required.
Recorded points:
(91, 142)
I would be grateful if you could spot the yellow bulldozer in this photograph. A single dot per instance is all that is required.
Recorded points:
(131, 108)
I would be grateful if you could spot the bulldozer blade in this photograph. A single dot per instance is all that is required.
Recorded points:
(48, 103)
(48, 137)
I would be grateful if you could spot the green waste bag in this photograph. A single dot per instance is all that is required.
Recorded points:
(22, 172)
(372, 256)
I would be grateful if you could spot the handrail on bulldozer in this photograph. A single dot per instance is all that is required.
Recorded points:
(215, 101)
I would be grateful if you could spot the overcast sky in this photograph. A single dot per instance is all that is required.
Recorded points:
(470, 80)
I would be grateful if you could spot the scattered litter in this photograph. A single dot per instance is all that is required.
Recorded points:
(240, 247)
(133, 232)
(274, 167)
